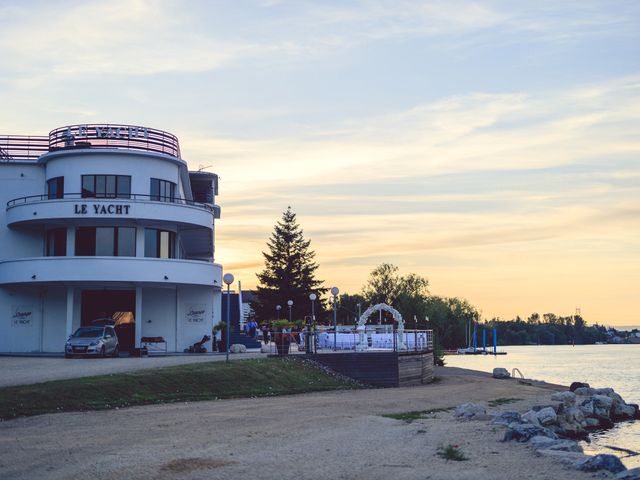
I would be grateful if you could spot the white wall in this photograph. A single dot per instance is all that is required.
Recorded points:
(194, 298)
(159, 307)
(19, 336)
(19, 180)
(141, 168)
(55, 318)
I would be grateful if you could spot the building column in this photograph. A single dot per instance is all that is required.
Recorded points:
(69, 324)
(71, 241)
(139, 241)
(138, 316)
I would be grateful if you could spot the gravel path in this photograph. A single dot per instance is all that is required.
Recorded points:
(332, 435)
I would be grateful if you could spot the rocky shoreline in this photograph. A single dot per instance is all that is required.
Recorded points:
(555, 429)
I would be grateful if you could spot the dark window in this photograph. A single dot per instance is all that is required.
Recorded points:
(163, 190)
(159, 243)
(106, 186)
(55, 187)
(56, 242)
(106, 241)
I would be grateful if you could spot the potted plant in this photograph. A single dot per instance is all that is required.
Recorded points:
(282, 335)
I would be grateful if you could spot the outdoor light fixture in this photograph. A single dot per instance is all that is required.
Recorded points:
(278, 307)
(166, 278)
(290, 303)
(228, 279)
(308, 338)
(33, 277)
(335, 291)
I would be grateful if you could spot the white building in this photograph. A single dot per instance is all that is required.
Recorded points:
(105, 220)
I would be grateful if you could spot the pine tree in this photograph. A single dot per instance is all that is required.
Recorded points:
(289, 273)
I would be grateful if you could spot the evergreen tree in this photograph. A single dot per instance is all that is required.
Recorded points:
(289, 273)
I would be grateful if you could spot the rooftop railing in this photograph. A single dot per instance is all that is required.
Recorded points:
(22, 147)
(71, 137)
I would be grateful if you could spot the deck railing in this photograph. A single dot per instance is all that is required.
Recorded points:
(325, 340)
(129, 137)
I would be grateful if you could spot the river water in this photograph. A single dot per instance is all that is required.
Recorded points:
(615, 366)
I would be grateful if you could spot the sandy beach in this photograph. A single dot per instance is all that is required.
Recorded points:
(337, 434)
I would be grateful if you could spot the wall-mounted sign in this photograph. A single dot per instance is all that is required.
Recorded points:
(100, 209)
(22, 315)
(105, 131)
(194, 314)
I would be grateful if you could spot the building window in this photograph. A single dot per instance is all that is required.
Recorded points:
(55, 187)
(106, 241)
(56, 242)
(106, 186)
(163, 190)
(159, 243)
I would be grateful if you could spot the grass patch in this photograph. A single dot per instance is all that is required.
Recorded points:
(184, 383)
(415, 415)
(452, 452)
(502, 401)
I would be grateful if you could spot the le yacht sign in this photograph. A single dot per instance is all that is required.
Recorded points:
(101, 209)
(106, 131)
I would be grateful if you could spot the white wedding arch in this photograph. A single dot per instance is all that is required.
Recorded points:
(362, 343)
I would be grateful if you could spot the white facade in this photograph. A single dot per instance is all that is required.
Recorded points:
(71, 252)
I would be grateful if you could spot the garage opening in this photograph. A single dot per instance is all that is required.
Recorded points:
(99, 306)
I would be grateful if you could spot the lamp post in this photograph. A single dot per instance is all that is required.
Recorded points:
(359, 312)
(312, 297)
(335, 291)
(228, 279)
(290, 303)
(278, 307)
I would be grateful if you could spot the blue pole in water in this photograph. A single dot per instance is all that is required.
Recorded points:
(495, 340)
(484, 340)
(474, 336)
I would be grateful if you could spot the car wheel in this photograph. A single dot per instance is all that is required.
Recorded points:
(103, 352)
(116, 351)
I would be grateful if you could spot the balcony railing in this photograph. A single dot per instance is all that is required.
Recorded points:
(133, 196)
(128, 137)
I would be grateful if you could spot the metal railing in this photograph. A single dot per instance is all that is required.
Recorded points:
(133, 196)
(129, 137)
(114, 136)
(325, 340)
(22, 147)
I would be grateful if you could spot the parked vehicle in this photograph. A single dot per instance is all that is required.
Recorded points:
(96, 340)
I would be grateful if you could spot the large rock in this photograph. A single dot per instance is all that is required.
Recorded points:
(531, 417)
(522, 432)
(575, 385)
(469, 410)
(567, 398)
(500, 372)
(238, 348)
(547, 416)
(584, 391)
(633, 474)
(545, 443)
(505, 418)
(603, 461)
(602, 405)
(571, 459)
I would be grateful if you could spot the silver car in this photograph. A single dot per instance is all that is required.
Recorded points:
(97, 340)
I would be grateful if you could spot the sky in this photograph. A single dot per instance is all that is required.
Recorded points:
(492, 147)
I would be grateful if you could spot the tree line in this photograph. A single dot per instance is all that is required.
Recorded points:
(290, 274)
